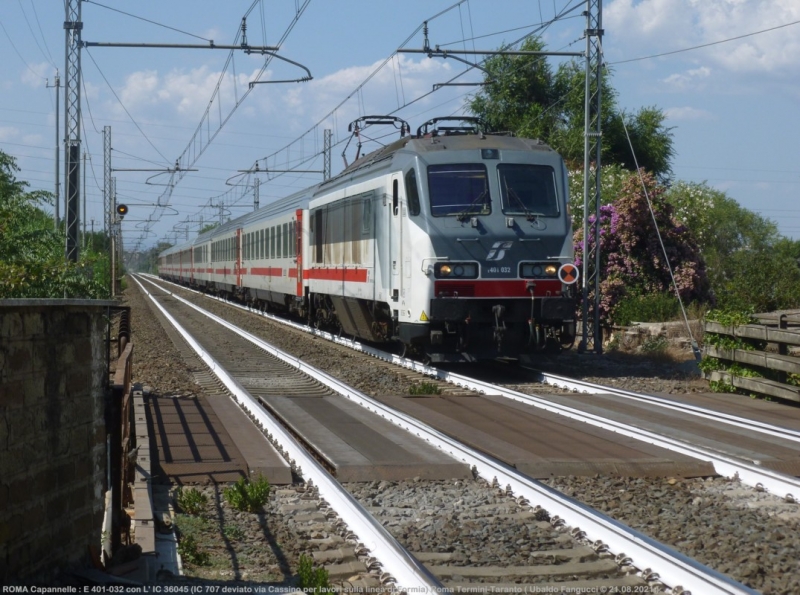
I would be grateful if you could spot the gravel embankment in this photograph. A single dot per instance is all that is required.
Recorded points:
(752, 537)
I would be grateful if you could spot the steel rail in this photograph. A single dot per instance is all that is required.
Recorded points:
(726, 418)
(647, 554)
(776, 483)
(408, 573)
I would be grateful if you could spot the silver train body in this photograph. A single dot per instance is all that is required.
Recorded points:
(450, 246)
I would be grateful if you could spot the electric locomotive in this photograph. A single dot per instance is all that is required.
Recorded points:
(454, 243)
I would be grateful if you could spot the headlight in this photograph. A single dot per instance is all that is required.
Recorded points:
(538, 270)
(456, 270)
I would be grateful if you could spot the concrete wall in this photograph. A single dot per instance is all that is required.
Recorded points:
(52, 434)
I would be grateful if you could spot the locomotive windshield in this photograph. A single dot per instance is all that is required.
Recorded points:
(458, 189)
(528, 189)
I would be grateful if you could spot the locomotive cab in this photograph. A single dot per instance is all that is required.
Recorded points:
(494, 241)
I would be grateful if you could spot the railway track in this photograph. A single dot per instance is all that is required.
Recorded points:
(729, 460)
(604, 554)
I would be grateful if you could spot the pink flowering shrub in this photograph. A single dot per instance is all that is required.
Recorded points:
(631, 258)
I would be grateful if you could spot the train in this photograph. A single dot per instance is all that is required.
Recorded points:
(453, 244)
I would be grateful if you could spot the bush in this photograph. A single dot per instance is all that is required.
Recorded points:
(312, 580)
(246, 495)
(191, 552)
(424, 388)
(191, 501)
(656, 307)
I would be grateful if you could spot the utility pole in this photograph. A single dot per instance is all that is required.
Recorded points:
(57, 86)
(256, 184)
(590, 282)
(83, 244)
(107, 211)
(72, 123)
(326, 154)
(112, 234)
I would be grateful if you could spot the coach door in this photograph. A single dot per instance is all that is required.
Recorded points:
(396, 240)
(237, 263)
(298, 250)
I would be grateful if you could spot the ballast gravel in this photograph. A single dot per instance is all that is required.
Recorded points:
(750, 536)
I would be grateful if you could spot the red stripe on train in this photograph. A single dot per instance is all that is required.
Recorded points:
(335, 274)
(496, 288)
(267, 271)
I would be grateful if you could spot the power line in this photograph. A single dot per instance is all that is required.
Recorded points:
(148, 20)
(705, 45)
(49, 56)
(18, 54)
(125, 108)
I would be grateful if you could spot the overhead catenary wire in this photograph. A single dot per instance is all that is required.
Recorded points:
(147, 20)
(191, 154)
(358, 91)
(47, 56)
(133, 120)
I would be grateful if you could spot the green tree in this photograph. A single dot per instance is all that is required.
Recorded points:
(632, 260)
(523, 95)
(750, 265)
(517, 94)
(32, 263)
(721, 225)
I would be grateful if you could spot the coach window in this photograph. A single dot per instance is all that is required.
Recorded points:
(366, 216)
(395, 197)
(412, 193)
(285, 240)
(261, 244)
(271, 231)
(293, 235)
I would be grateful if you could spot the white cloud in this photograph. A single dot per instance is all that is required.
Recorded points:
(35, 139)
(658, 26)
(183, 93)
(691, 79)
(8, 132)
(398, 81)
(687, 113)
(36, 74)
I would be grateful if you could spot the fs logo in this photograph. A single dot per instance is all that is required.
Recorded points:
(498, 250)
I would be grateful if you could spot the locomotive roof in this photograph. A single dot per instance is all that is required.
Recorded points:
(412, 144)
(452, 142)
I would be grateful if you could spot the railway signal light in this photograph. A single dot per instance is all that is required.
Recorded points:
(122, 210)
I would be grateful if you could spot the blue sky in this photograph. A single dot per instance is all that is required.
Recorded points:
(733, 105)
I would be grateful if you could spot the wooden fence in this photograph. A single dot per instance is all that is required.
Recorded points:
(781, 332)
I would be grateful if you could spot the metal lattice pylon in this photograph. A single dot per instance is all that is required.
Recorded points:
(72, 124)
(592, 338)
(107, 190)
(326, 154)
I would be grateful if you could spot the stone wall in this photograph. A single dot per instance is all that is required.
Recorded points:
(53, 374)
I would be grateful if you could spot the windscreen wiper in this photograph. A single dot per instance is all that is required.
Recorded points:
(529, 216)
(462, 216)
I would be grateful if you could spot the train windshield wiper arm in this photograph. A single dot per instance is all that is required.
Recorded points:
(528, 214)
(462, 215)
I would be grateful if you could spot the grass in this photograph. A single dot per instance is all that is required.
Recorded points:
(246, 495)
(425, 388)
(310, 579)
(191, 501)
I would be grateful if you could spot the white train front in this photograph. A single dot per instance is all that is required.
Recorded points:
(454, 246)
